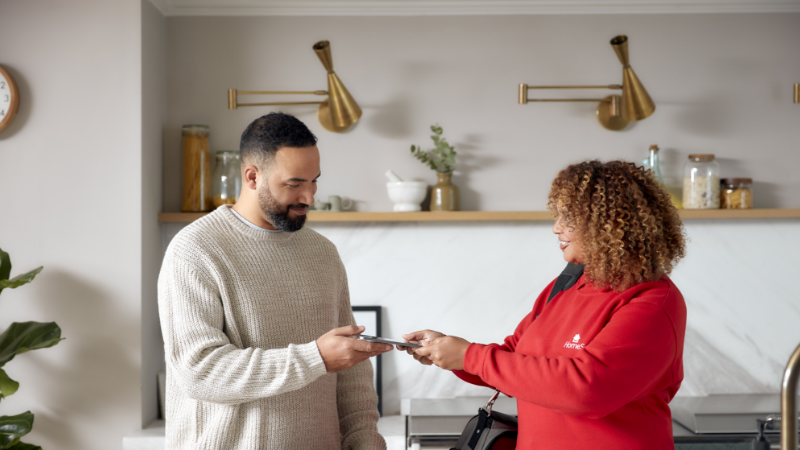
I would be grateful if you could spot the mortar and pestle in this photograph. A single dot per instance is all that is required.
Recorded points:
(406, 195)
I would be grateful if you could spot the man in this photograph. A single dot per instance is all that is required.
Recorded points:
(255, 313)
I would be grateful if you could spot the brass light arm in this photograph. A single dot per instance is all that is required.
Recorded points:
(281, 92)
(233, 97)
(524, 88)
(277, 103)
(609, 113)
(614, 112)
(568, 100)
(336, 113)
(605, 86)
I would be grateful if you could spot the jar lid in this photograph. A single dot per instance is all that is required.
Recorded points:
(734, 181)
(702, 157)
(194, 129)
(654, 147)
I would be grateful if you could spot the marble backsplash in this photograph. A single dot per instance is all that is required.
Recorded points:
(477, 280)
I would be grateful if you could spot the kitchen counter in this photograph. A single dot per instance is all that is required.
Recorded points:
(393, 430)
(152, 436)
(687, 440)
(436, 423)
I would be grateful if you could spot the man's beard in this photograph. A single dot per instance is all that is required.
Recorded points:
(278, 214)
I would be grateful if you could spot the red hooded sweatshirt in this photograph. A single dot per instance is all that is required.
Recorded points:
(595, 370)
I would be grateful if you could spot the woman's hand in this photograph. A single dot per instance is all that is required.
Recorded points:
(424, 337)
(446, 352)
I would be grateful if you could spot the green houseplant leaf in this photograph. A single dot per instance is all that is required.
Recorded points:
(17, 339)
(12, 428)
(24, 446)
(22, 337)
(442, 158)
(5, 265)
(5, 274)
(7, 385)
(19, 280)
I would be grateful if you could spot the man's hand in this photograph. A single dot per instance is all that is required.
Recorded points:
(339, 352)
(424, 337)
(446, 352)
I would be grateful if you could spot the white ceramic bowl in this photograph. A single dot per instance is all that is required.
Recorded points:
(407, 195)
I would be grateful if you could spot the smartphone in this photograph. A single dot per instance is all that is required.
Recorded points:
(364, 337)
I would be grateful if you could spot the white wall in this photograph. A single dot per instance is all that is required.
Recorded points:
(722, 84)
(153, 109)
(71, 171)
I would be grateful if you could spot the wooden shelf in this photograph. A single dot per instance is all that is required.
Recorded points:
(497, 216)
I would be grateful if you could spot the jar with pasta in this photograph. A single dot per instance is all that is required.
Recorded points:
(736, 193)
(227, 178)
(701, 182)
(196, 169)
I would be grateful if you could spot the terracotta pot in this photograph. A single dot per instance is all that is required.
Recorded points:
(444, 195)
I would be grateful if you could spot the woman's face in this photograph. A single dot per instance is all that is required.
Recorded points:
(566, 240)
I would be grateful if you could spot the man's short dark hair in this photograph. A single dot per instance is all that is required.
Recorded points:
(267, 134)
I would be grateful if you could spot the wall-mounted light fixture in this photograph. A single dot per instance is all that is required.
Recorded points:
(797, 92)
(336, 113)
(614, 112)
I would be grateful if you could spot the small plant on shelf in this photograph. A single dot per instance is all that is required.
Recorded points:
(442, 159)
(20, 337)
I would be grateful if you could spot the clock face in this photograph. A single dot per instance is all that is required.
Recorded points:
(9, 99)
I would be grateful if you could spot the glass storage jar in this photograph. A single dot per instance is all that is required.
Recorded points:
(736, 193)
(196, 169)
(701, 182)
(227, 178)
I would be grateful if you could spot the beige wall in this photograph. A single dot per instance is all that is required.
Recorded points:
(72, 171)
(722, 84)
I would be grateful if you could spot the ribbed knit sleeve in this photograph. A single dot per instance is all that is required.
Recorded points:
(355, 392)
(206, 365)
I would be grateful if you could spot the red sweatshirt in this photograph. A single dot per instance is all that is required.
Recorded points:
(594, 370)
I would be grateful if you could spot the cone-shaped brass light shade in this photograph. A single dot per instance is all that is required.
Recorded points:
(340, 111)
(636, 102)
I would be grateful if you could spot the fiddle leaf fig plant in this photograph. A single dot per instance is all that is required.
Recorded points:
(18, 338)
(12, 428)
(442, 159)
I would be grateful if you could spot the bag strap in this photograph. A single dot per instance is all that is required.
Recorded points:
(490, 404)
(566, 280)
(484, 421)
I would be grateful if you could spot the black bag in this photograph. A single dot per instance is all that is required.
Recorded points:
(495, 430)
(489, 430)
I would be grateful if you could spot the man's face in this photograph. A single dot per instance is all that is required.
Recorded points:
(290, 187)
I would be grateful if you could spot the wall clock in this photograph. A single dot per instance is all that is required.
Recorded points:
(9, 99)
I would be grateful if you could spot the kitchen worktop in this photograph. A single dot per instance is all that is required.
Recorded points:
(393, 430)
(435, 423)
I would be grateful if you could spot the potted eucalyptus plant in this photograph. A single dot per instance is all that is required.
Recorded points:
(18, 338)
(442, 159)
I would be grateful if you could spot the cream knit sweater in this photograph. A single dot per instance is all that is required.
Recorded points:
(241, 310)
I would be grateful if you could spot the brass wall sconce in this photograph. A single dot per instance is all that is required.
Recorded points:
(797, 92)
(336, 113)
(614, 112)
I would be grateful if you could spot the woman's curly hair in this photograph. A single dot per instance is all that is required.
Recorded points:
(629, 231)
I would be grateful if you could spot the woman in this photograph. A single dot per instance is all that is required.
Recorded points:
(596, 366)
